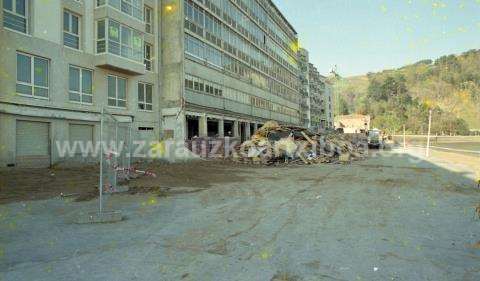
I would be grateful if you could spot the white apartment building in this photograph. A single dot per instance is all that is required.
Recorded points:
(61, 61)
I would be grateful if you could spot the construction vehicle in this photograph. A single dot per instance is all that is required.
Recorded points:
(375, 138)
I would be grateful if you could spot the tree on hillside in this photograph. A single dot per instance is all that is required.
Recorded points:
(375, 91)
(449, 83)
(424, 62)
(343, 107)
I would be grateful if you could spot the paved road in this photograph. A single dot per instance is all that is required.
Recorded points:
(391, 217)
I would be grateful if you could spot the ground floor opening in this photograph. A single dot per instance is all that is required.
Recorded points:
(212, 128)
(193, 129)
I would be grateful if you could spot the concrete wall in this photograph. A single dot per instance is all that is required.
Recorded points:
(172, 76)
(173, 111)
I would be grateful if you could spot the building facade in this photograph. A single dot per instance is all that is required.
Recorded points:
(176, 69)
(353, 123)
(305, 102)
(328, 102)
(228, 66)
(316, 104)
(62, 61)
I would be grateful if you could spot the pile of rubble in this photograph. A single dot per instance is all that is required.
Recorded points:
(273, 143)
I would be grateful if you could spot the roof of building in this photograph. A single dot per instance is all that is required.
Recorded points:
(283, 17)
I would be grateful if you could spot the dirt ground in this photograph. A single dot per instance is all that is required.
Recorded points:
(17, 185)
(394, 216)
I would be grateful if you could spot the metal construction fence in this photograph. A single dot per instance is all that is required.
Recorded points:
(115, 156)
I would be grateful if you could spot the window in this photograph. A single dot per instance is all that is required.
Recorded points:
(196, 84)
(101, 43)
(201, 85)
(145, 99)
(188, 82)
(148, 55)
(80, 85)
(122, 40)
(117, 91)
(113, 37)
(148, 16)
(71, 30)
(132, 8)
(213, 30)
(209, 88)
(194, 18)
(15, 15)
(194, 47)
(32, 76)
(213, 56)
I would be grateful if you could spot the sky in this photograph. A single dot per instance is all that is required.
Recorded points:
(361, 36)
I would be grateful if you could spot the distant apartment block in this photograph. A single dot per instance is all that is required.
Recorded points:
(305, 98)
(316, 102)
(328, 103)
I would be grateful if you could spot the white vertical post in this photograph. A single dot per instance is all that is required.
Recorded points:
(221, 128)
(116, 156)
(129, 150)
(429, 131)
(236, 129)
(404, 138)
(100, 184)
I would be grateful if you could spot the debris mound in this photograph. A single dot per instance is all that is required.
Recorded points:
(273, 143)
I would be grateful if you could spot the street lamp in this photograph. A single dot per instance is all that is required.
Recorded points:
(427, 152)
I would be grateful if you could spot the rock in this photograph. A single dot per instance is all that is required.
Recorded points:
(344, 158)
(96, 217)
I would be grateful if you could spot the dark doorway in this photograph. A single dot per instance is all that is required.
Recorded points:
(243, 131)
(212, 128)
(192, 127)
(252, 128)
(228, 128)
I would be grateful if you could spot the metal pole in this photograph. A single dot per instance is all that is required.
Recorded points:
(100, 184)
(129, 155)
(404, 139)
(429, 131)
(116, 156)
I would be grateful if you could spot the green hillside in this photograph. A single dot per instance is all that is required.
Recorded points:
(449, 85)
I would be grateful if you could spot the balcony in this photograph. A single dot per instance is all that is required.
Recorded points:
(119, 47)
(112, 12)
(131, 8)
(120, 64)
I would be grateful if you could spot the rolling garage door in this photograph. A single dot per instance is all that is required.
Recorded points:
(83, 135)
(32, 149)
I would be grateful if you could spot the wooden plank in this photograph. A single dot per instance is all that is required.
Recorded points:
(308, 139)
